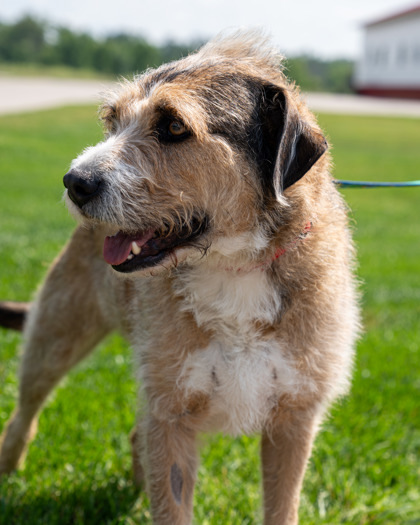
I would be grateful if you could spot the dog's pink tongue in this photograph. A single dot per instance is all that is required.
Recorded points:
(118, 247)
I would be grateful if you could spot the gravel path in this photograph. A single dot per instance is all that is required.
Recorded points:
(18, 94)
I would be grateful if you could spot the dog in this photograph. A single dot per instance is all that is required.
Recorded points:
(210, 234)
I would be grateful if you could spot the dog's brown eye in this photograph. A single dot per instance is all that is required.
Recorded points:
(177, 128)
(169, 130)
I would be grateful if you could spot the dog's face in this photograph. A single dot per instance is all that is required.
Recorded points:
(195, 154)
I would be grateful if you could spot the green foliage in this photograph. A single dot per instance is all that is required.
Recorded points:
(364, 469)
(314, 74)
(23, 41)
(32, 41)
(123, 53)
(76, 50)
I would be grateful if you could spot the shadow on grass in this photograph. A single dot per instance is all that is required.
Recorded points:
(111, 503)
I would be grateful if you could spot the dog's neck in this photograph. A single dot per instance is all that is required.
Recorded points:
(281, 250)
(231, 299)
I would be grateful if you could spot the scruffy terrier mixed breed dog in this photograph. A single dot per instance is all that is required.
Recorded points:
(211, 234)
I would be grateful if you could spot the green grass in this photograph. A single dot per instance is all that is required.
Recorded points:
(365, 466)
(39, 70)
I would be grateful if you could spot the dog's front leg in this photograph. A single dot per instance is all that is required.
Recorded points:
(64, 324)
(170, 463)
(285, 450)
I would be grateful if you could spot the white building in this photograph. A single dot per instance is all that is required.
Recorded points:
(390, 65)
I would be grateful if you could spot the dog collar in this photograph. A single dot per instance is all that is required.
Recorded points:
(281, 250)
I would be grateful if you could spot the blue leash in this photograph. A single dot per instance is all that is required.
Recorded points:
(359, 184)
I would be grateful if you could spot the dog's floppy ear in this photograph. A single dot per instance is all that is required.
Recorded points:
(290, 145)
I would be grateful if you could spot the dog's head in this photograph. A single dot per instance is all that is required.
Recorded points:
(195, 153)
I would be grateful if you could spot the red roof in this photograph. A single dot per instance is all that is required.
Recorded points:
(400, 14)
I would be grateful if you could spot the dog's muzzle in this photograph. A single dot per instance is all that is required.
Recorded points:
(81, 188)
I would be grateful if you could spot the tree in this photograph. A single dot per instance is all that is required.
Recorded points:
(23, 41)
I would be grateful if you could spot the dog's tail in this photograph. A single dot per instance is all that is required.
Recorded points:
(13, 315)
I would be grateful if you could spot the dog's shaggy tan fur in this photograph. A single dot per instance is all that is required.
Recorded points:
(241, 304)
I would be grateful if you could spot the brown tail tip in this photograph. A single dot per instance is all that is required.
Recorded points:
(13, 315)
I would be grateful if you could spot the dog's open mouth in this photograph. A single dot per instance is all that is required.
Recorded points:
(130, 252)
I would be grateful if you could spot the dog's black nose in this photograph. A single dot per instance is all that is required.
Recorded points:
(81, 188)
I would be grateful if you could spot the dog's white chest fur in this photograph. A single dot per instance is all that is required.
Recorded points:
(229, 300)
(244, 382)
(242, 373)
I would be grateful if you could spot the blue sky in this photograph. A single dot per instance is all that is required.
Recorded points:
(326, 28)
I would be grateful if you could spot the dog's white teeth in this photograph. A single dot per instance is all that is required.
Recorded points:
(135, 248)
(130, 257)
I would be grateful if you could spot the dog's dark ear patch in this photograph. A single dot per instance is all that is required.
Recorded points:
(290, 146)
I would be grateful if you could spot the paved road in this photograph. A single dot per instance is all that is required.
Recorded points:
(359, 105)
(18, 94)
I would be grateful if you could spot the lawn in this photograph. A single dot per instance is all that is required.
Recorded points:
(365, 466)
(59, 71)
